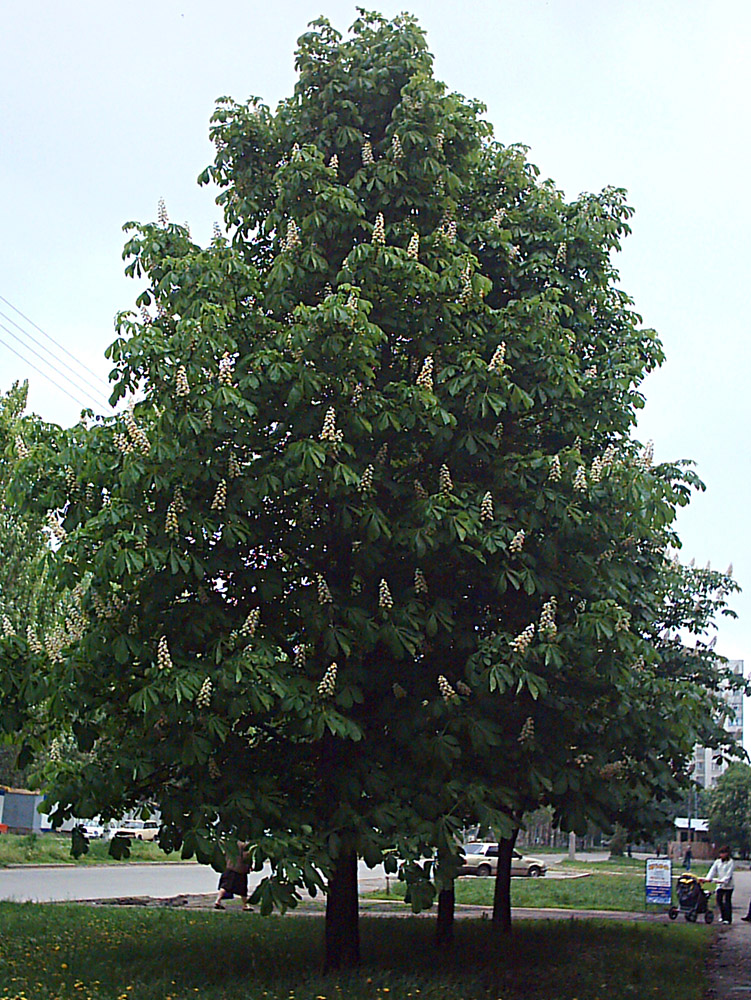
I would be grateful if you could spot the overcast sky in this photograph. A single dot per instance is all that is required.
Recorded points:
(106, 106)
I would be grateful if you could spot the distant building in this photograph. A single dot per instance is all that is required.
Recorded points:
(707, 767)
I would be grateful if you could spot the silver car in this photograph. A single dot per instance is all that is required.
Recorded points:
(482, 859)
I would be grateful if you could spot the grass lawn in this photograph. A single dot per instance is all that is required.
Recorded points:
(600, 891)
(73, 951)
(53, 848)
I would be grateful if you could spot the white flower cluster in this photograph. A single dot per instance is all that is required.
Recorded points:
(334, 163)
(181, 382)
(582, 759)
(591, 372)
(425, 378)
(366, 480)
(379, 231)
(499, 357)
(328, 431)
(301, 656)
(170, 520)
(327, 684)
(161, 213)
(8, 629)
(555, 469)
(517, 542)
(396, 148)
(250, 624)
(466, 293)
(421, 584)
(580, 479)
(146, 316)
(522, 642)
(447, 229)
(527, 732)
(233, 466)
(445, 485)
(413, 250)
(71, 482)
(33, 640)
(382, 454)
(135, 433)
(609, 456)
(292, 240)
(623, 621)
(420, 492)
(638, 664)
(226, 368)
(498, 217)
(220, 497)
(367, 154)
(203, 698)
(21, 450)
(124, 444)
(324, 594)
(486, 507)
(596, 470)
(385, 599)
(547, 626)
(560, 254)
(54, 643)
(498, 431)
(439, 140)
(56, 528)
(647, 456)
(163, 659)
(357, 394)
(447, 692)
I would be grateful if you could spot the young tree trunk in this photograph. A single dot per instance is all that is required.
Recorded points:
(502, 894)
(342, 914)
(444, 930)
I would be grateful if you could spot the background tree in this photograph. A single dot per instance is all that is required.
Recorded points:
(730, 809)
(372, 553)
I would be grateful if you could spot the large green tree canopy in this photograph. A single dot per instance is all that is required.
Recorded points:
(373, 552)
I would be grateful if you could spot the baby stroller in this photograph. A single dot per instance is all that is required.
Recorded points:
(693, 899)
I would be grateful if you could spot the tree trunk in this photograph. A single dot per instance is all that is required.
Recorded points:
(502, 894)
(342, 914)
(444, 930)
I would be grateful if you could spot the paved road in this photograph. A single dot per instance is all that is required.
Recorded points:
(108, 881)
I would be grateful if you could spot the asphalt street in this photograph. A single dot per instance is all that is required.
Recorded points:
(48, 884)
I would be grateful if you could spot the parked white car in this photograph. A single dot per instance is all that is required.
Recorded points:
(93, 831)
(136, 829)
(482, 859)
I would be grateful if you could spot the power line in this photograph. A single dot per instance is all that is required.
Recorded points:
(44, 374)
(62, 375)
(59, 361)
(37, 327)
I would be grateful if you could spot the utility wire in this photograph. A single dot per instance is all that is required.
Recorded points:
(62, 375)
(36, 327)
(52, 354)
(44, 374)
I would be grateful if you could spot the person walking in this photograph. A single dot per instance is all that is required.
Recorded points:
(234, 879)
(687, 858)
(721, 872)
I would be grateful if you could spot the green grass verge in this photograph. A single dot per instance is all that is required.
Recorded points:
(52, 848)
(600, 891)
(68, 951)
